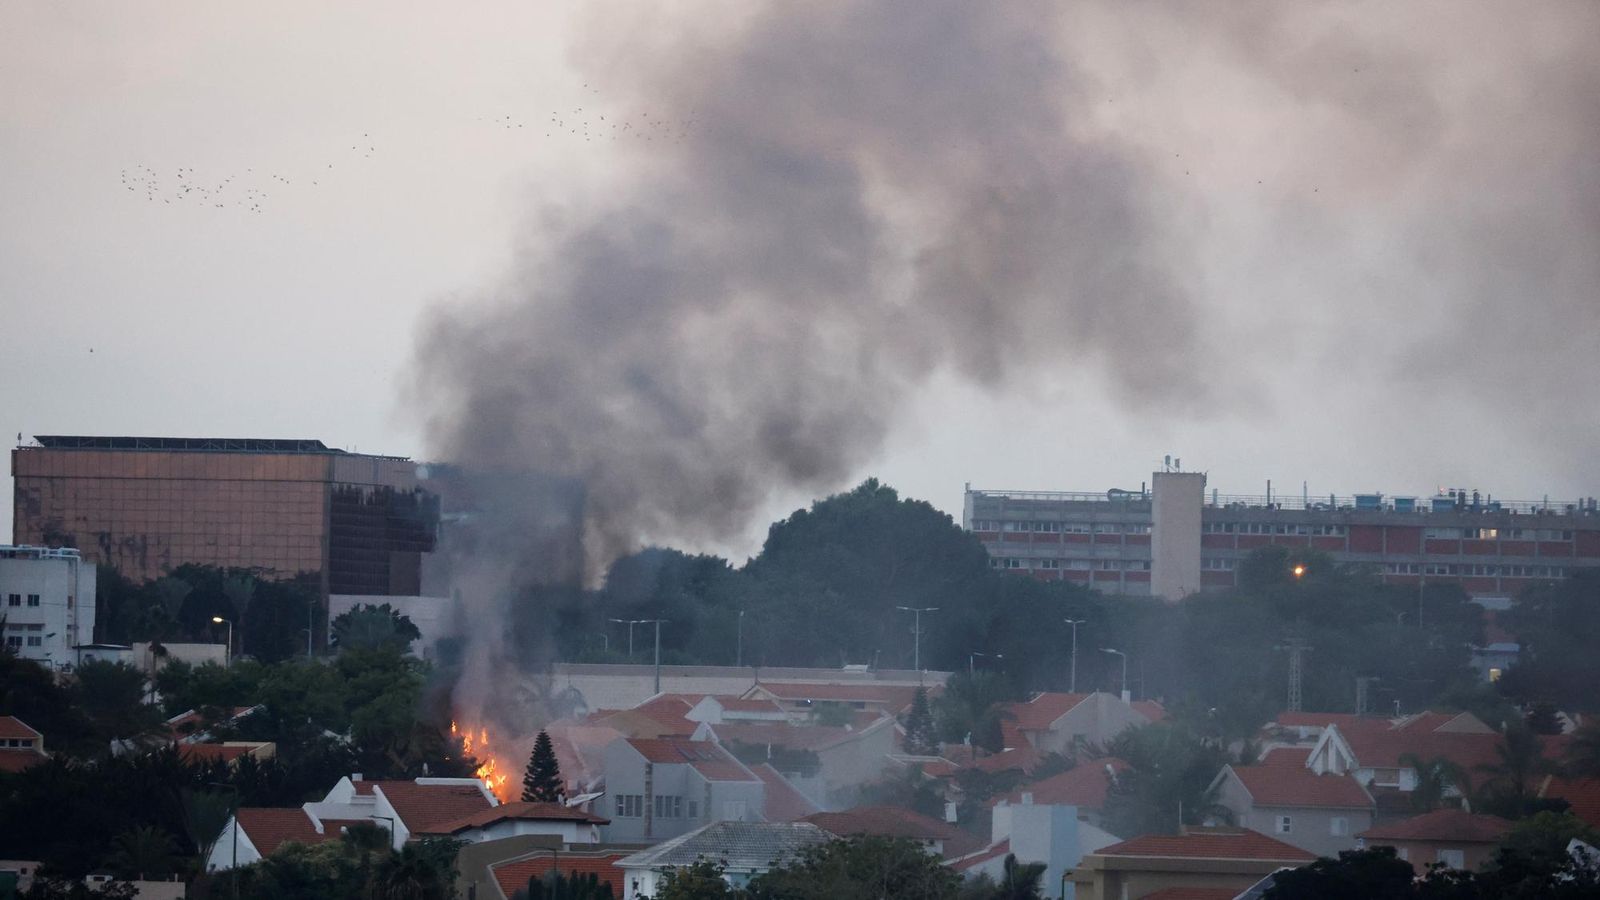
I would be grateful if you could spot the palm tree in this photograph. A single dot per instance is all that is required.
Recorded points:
(1583, 754)
(1520, 762)
(1021, 880)
(411, 874)
(146, 850)
(204, 816)
(1434, 777)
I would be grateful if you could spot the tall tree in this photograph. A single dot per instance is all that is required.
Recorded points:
(970, 710)
(144, 852)
(1434, 777)
(1021, 881)
(1513, 776)
(860, 868)
(542, 780)
(922, 736)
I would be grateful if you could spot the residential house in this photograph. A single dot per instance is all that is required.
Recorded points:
(1319, 813)
(1581, 794)
(581, 754)
(571, 825)
(1083, 787)
(716, 710)
(846, 756)
(1061, 723)
(1053, 834)
(661, 716)
(512, 875)
(664, 787)
(20, 745)
(940, 838)
(743, 849)
(1200, 858)
(405, 808)
(1452, 837)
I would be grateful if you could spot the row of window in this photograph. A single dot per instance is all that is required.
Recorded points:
(1061, 527)
(15, 743)
(16, 599)
(15, 641)
(21, 627)
(1480, 570)
(1081, 565)
(665, 806)
(1490, 534)
(1338, 826)
(1272, 528)
(1219, 565)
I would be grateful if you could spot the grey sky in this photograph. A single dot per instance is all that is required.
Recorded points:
(1383, 219)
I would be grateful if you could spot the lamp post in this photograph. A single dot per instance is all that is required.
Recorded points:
(1074, 623)
(1124, 668)
(738, 653)
(392, 829)
(228, 657)
(916, 632)
(657, 623)
(971, 669)
(630, 623)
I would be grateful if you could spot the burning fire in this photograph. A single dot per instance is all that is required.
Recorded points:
(477, 746)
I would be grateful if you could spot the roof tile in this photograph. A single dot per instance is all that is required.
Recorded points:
(13, 727)
(269, 828)
(521, 811)
(513, 876)
(422, 806)
(1291, 786)
(1240, 843)
(1451, 825)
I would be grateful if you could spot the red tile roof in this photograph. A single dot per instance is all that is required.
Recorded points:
(1290, 786)
(784, 802)
(978, 858)
(751, 705)
(14, 760)
(1451, 825)
(706, 757)
(422, 806)
(363, 788)
(1151, 709)
(1345, 721)
(1286, 756)
(13, 727)
(1238, 843)
(883, 821)
(959, 756)
(779, 734)
(521, 811)
(1383, 749)
(1043, 710)
(269, 829)
(1582, 793)
(1084, 785)
(513, 876)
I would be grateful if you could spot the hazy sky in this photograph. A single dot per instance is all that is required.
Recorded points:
(1383, 221)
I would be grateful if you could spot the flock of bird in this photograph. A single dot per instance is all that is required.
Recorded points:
(236, 190)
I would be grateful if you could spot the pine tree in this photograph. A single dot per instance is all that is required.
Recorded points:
(922, 738)
(542, 780)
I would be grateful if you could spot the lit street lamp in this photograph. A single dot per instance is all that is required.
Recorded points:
(1074, 623)
(971, 668)
(1124, 668)
(630, 623)
(228, 657)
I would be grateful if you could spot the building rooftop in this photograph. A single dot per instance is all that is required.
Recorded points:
(784, 802)
(1292, 786)
(270, 828)
(13, 727)
(513, 876)
(423, 806)
(1210, 843)
(883, 821)
(738, 846)
(1444, 825)
(706, 757)
(191, 444)
(1085, 785)
(522, 811)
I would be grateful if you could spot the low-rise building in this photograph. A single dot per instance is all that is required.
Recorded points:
(664, 787)
(21, 746)
(743, 849)
(1061, 723)
(846, 756)
(569, 824)
(47, 601)
(1083, 787)
(1319, 813)
(1449, 837)
(1205, 858)
(940, 838)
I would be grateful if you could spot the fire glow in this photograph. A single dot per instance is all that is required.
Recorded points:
(489, 771)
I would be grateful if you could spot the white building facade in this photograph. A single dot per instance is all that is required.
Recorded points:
(47, 601)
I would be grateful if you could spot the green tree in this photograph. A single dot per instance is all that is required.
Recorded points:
(831, 715)
(1583, 752)
(542, 781)
(971, 709)
(419, 871)
(704, 880)
(860, 868)
(205, 815)
(1021, 881)
(908, 790)
(1555, 622)
(1542, 718)
(1512, 778)
(1374, 874)
(369, 626)
(1434, 777)
(922, 735)
(143, 853)
(1545, 835)
(112, 695)
(1169, 780)
(573, 886)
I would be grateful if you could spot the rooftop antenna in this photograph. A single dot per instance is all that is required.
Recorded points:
(1296, 648)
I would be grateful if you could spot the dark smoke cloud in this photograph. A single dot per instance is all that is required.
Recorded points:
(864, 194)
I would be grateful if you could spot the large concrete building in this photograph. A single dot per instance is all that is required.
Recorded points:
(358, 524)
(1174, 538)
(47, 602)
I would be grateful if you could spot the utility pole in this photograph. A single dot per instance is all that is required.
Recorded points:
(1363, 683)
(738, 657)
(916, 632)
(658, 649)
(1296, 649)
(1074, 623)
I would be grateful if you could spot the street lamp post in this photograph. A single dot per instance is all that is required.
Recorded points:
(916, 632)
(630, 623)
(392, 829)
(1124, 668)
(738, 653)
(228, 657)
(971, 669)
(658, 649)
(1074, 623)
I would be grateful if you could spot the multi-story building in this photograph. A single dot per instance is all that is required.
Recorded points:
(47, 602)
(356, 524)
(1173, 538)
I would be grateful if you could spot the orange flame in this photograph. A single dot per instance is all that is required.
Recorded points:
(489, 770)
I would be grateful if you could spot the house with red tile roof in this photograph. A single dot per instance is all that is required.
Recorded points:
(581, 753)
(1452, 837)
(664, 715)
(1319, 813)
(570, 824)
(405, 808)
(1582, 794)
(1205, 858)
(21, 746)
(513, 875)
(846, 756)
(1083, 786)
(659, 788)
(784, 802)
(1061, 723)
(719, 709)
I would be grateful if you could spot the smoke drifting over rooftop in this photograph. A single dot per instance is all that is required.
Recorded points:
(857, 197)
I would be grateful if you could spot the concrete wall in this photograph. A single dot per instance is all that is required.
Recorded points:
(64, 615)
(1177, 499)
(627, 686)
